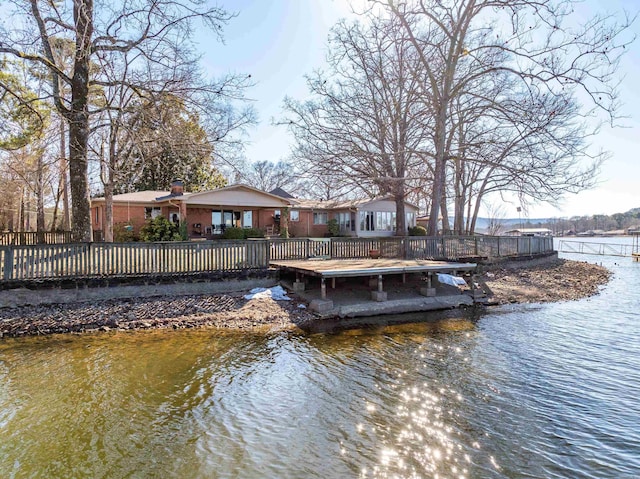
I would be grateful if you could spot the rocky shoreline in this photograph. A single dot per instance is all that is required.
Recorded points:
(555, 280)
(551, 281)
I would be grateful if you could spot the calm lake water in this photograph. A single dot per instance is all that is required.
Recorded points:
(539, 391)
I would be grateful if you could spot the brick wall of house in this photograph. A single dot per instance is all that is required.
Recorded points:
(263, 218)
(129, 214)
(198, 216)
(304, 227)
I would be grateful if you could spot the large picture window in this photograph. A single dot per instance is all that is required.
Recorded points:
(377, 221)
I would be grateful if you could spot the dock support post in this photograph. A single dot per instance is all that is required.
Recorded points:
(404, 278)
(333, 283)
(379, 295)
(429, 291)
(323, 288)
(298, 286)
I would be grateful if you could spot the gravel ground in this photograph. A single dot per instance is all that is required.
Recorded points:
(220, 311)
(557, 280)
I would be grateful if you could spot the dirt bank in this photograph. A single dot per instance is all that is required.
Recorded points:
(557, 280)
(219, 311)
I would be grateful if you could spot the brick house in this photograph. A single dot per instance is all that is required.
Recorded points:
(208, 213)
(361, 218)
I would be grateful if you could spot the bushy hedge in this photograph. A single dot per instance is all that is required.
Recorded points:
(253, 233)
(233, 233)
(417, 231)
(333, 227)
(242, 233)
(123, 233)
(160, 229)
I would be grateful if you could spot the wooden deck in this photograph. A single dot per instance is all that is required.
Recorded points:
(345, 268)
(342, 268)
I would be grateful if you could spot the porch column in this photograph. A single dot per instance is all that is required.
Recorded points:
(183, 211)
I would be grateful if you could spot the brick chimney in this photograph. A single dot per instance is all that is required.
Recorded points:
(177, 188)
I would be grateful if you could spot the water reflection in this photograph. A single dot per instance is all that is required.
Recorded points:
(535, 391)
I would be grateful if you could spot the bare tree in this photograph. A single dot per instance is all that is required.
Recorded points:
(268, 175)
(528, 41)
(365, 123)
(155, 32)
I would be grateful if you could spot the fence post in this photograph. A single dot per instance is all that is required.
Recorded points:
(268, 252)
(87, 263)
(8, 263)
(498, 247)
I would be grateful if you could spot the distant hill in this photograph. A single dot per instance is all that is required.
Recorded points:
(509, 223)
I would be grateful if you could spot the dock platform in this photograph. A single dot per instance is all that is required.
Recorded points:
(376, 268)
(344, 268)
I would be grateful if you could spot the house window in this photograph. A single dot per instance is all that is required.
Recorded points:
(367, 221)
(344, 221)
(97, 215)
(377, 221)
(247, 219)
(151, 213)
(411, 220)
(294, 215)
(383, 221)
(216, 222)
(320, 218)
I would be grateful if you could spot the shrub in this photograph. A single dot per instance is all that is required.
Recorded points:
(160, 229)
(123, 233)
(233, 233)
(417, 231)
(333, 227)
(182, 231)
(253, 233)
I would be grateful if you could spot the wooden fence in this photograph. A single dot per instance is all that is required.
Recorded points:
(33, 237)
(86, 260)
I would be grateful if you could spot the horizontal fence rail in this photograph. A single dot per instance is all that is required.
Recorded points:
(86, 260)
(33, 237)
(603, 249)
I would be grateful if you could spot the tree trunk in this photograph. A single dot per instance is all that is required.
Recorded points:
(21, 218)
(439, 171)
(109, 185)
(64, 183)
(79, 123)
(40, 226)
(401, 217)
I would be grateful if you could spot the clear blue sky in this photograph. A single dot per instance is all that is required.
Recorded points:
(279, 41)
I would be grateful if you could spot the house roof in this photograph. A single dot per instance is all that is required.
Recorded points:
(242, 195)
(148, 196)
(238, 195)
(282, 193)
(345, 204)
